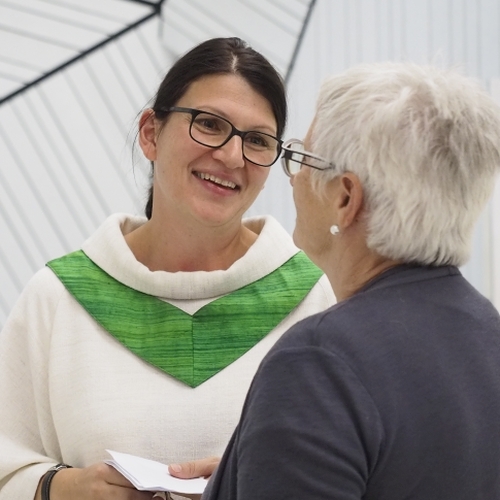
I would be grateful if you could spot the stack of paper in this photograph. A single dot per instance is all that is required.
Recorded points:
(148, 475)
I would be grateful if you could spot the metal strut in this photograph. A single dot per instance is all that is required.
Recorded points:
(156, 11)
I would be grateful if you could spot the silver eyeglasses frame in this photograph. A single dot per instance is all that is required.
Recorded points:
(294, 159)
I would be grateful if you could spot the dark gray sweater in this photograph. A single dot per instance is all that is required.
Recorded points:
(393, 394)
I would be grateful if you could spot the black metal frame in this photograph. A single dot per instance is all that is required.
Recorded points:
(156, 7)
(155, 11)
(300, 38)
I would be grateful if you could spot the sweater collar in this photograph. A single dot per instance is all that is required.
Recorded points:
(107, 248)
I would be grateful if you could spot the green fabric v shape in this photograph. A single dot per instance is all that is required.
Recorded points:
(191, 348)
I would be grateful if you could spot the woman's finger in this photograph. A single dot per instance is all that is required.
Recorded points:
(195, 468)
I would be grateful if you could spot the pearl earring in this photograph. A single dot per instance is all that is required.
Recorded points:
(335, 229)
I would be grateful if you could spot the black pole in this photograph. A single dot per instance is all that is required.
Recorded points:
(299, 41)
(156, 5)
(81, 55)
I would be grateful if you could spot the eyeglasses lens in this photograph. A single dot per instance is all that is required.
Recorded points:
(211, 130)
(294, 162)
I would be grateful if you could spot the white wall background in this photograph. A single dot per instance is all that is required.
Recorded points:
(65, 146)
(462, 33)
(492, 233)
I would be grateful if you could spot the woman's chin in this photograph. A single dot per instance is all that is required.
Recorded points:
(217, 218)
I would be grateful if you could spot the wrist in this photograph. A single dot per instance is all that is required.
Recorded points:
(47, 480)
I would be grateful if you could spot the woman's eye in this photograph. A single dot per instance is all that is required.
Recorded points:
(207, 123)
(256, 140)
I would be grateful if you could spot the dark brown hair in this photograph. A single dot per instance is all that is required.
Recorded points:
(221, 56)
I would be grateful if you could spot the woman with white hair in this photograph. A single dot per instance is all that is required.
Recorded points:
(394, 392)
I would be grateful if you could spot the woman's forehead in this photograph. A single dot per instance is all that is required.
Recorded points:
(231, 97)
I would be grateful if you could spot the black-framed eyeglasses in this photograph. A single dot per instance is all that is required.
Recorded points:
(294, 158)
(213, 131)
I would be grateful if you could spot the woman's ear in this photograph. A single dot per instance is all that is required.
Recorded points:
(350, 199)
(147, 134)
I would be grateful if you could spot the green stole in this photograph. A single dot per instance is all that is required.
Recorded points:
(191, 348)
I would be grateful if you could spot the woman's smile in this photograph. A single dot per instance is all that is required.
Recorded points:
(216, 180)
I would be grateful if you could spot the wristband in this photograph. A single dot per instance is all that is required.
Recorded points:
(47, 479)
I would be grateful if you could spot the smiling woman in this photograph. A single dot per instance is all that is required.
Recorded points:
(145, 340)
(205, 189)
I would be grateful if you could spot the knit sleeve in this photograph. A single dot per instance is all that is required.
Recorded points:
(25, 417)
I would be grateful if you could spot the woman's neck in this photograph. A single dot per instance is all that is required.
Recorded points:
(169, 247)
(352, 265)
(348, 281)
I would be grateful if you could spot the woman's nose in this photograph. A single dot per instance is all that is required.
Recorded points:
(231, 153)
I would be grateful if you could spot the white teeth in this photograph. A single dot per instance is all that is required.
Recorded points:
(216, 180)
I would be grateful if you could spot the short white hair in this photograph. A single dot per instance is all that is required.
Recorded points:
(425, 144)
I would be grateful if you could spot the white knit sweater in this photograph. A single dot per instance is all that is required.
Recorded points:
(69, 390)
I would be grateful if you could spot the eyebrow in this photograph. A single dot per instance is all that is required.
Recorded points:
(258, 128)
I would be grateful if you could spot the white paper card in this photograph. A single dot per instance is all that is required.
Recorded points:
(148, 475)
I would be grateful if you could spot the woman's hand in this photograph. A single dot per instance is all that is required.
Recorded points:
(196, 468)
(96, 482)
(204, 467)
